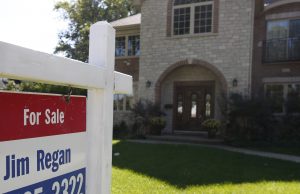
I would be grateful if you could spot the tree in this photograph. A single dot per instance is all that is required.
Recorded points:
(16, 85)
(81, 14)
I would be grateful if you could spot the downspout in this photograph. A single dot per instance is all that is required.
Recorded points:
(251, 50)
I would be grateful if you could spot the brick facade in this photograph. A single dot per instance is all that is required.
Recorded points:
(279, 70)
(128, 66)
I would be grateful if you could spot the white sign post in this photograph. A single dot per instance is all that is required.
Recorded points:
(100, 110)
(98, 77)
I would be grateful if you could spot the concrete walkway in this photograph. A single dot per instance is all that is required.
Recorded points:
(285, 157)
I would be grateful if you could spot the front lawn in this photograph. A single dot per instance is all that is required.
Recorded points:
(147, 168)
(295, 150)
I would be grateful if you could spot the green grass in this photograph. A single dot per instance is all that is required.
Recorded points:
(146, 168)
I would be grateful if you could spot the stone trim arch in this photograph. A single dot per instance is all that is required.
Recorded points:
(188, 62)
(170, 14)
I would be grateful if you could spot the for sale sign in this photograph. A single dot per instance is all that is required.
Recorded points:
(42, 143)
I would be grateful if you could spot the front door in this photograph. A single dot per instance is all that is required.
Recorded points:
(194, 102)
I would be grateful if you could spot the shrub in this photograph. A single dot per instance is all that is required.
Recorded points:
(27, 86)
(144, 111)
(157, 124)
(249, 119)
(120, 131)
(212, 126)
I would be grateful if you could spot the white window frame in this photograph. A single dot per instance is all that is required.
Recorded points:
(193, 6)
(126, 46)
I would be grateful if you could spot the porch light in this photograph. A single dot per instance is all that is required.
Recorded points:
(148, 84)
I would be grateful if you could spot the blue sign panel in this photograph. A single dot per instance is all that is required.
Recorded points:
(73, 182)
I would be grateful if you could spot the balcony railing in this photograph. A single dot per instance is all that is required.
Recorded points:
(281, 50)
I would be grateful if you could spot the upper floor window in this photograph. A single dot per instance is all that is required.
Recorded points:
(127, 46)
(133, 45)
(192, 16)
(283, 29)
(120, 46)
(283, 40)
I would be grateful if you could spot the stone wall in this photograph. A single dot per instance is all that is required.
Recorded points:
(229, 50)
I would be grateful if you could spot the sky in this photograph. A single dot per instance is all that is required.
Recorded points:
(30, 23)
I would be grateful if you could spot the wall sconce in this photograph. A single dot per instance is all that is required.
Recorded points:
(148, 84)
(234, 82)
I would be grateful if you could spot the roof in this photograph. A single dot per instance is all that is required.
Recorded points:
(128, 21)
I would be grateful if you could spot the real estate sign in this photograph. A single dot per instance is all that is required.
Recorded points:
(42, 143)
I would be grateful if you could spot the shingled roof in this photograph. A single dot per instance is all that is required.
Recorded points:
(128, 21)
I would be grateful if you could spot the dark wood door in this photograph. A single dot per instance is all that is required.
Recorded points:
(194, 102)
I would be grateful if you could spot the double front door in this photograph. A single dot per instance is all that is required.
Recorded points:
(194, 103)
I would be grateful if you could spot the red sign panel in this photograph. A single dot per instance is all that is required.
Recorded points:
(24, 115)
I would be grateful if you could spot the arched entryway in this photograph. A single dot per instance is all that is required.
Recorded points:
(188, 92)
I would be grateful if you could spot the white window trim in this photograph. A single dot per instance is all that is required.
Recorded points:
(126, 46)
(192, 17)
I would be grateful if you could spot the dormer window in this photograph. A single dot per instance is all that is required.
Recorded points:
(192, 17)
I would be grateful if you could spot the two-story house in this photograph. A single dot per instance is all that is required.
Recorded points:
(191, 53)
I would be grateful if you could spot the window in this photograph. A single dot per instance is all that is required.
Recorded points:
(120, 46)
(275, 94)
(283, 40)
(133, 45)
(180, 105)
(284, 98)
(203, 19)
(208, 106)
(127, 46)
(194, 106)
(182, 21)
(122, 102)
(192, 16)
